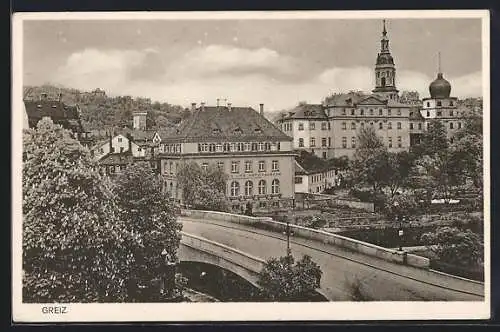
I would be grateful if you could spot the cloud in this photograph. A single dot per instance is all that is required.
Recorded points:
(243, 76)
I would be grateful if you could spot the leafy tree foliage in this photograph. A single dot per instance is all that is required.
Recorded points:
(147, 210)
(283, 279)
(457, 246)
(203, 189)
(76, 248)
(370, 161)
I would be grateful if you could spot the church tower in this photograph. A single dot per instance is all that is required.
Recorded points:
(385, 70)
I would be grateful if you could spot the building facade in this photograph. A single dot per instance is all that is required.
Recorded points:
(313, 174)
(330, 129)
(256, 156)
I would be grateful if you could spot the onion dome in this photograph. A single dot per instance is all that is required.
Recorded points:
(440, 88)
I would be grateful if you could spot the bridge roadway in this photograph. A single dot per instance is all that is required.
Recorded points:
(381, 280)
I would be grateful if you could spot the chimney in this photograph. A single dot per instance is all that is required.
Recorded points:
(129, 138)
(202, 106)
(229, 107)
(43, 96)
(261, 109)
(193, 107)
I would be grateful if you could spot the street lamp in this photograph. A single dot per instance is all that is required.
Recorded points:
(400, 231)
(168, 273)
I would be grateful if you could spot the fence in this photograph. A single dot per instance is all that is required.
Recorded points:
(321, 236)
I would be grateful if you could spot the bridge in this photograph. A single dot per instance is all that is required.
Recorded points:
(243, 249)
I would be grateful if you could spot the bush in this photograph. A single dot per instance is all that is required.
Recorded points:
(283, 279)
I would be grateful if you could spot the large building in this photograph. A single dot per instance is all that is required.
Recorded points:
(255, 154)
(330, 129)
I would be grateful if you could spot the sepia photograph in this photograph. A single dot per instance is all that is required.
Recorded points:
(199, 166)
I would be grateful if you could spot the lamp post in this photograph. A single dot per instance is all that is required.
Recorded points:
(400, 231)
(168, 274)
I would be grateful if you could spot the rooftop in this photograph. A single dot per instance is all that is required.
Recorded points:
(60, 113)
(221, 123)
(309, 163)
(307, 111)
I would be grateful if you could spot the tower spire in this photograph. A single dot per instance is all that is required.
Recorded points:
(384, 31)
(439, 62)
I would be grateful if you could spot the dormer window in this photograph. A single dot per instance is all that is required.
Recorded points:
(257, 130)
(54, 106)
(237, 130)
(216, 131)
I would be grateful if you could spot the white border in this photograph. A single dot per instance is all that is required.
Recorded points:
(241, 311)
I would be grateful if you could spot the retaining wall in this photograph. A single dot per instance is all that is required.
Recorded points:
(322, 236)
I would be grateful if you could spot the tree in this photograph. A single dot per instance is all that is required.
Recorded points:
(456, 246)
(398, 171)
(203, 188)
(75, 246)
(283, 279)
(433, 141)
(370, 160)
(467, 150)
(147, 211)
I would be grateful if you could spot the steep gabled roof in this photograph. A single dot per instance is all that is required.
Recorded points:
(309, 163)
(211, 123)
(307, 112)
(60, 113)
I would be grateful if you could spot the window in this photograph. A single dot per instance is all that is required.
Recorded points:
(411, 125)
(275, 186)
(361, 112)
(428, 113)
(344, 142)
(211, 147)
(420, 126)
(352, 112)
(371, 123)
(276, 204)
(399, 125)
(451, 125)
(353, 125)
(324, 155)
(220, 165)
(451, 103)
(204, 166)
(301, 142)
(312, 126)
(248, 166)
(459, 125)
(451, 113)
(389, 112)
(247, 146)
(371, 111)
(428, 104)
(399, 111)
(399, 142)
(323, 125)
(101, 150)
(389, 125)
(261, 146)
(439, 113)
(344, 126)
(234, 167)
(170, 166)
(301, 126)
(119, 139)
(227, 147)
(298, 180)
(235, 189)
(262, 166)
(362, 124)
(380, 125)
(343, 111)
(353, 142)
(248, 188)
(262, 205)
(329, 141)
(438, 103)
(380, 111)
(275, 166)
(255, 146)
(390, 142)
(218, 147)
(262, 187)
(313, 141)
(323, 142)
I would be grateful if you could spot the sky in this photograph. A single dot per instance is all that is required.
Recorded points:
(248, 61)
